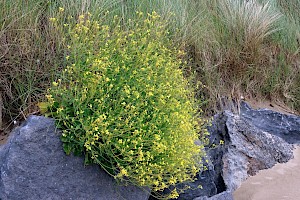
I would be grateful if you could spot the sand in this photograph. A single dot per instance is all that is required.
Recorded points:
(274, 106)
(281, 182)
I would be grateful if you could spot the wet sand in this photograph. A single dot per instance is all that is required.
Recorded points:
(281, 182)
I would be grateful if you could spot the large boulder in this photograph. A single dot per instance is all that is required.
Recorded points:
(241, 145)
(33, 165)
(250, 149)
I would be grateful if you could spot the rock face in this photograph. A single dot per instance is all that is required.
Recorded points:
(249, 150)
(34, 166)
(285, 126)
(253, 140)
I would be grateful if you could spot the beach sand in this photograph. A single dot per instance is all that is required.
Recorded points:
(281, 182)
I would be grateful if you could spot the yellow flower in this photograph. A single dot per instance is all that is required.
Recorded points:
(61, 9)
(172, 180)
(81, 17)
(157, 137)
(174, 194)
(49, 96)
(156, 183)
(54, 83)
(123, 172)
(200, 187)
(52, 19)
(60, 109)
(96, 137)
(87, 146)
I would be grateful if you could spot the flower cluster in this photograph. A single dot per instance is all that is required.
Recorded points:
(122, 100)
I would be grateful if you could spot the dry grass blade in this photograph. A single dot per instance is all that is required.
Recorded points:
(251, 20)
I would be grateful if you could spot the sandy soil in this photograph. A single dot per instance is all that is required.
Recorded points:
(275, 106)
(282, 182)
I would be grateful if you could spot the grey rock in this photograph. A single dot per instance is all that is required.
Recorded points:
(34, 166)
(285, 126)
(249, 150)
(250, 144)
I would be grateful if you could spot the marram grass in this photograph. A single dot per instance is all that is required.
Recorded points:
(122, 100)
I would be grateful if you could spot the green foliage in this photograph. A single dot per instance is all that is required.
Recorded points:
(122, 100)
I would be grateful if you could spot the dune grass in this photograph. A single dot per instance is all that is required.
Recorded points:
(27, 49)
(237, 48)
(247, 48)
